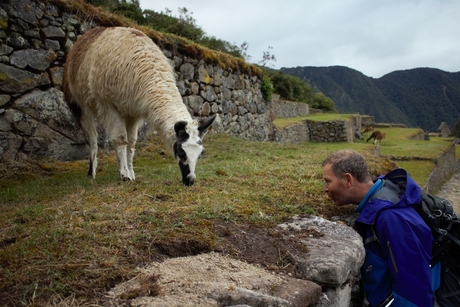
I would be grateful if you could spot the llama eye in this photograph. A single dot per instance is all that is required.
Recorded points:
(181, 154)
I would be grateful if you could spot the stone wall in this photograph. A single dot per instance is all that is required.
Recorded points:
(283, 108)
(331, 131)
(446, 164)
(318, 131)
(293, 134)
(34, 119)
(367, 120)
(421, 135)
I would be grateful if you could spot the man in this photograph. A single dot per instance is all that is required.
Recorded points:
(396, 270)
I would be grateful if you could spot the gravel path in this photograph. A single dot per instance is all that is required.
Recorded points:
(451, 190)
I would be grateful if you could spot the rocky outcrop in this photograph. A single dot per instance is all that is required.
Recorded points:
(328, 254)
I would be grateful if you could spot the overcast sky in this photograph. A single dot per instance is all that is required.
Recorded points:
(374, 37)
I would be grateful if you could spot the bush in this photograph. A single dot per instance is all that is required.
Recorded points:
(320, 101)
(290, 87)
(267, 89)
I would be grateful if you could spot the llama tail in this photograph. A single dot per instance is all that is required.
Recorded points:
(76, 112)
(73, 106)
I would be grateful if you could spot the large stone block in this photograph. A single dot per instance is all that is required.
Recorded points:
(334, 254)
(9, 146)
(36, 59)
(13, 80)
(49, 108)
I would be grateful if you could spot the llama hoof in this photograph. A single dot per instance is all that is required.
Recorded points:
(124, 178)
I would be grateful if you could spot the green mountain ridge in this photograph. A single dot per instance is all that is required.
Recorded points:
(419, 97)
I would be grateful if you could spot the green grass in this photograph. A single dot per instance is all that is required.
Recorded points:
(329, 116)
(413, 155)
(397, 143)
(418, 170)
(65, 235)
(284, 122)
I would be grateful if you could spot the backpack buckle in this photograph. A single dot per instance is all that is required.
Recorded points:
(437, 213)
(442, 231)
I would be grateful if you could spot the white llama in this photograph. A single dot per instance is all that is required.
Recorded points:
(119, 77)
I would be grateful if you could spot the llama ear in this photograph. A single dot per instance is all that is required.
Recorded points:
(179, 127)
(203, 128)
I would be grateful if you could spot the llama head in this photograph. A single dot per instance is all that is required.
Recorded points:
(188, 147)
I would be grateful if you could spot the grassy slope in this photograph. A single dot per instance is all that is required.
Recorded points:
(63, 233)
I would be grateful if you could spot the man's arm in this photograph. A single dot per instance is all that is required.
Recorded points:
(406, 242)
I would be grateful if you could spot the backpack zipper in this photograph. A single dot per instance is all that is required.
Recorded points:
(392, 256)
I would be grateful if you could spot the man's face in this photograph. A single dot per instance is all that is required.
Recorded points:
(336, 188)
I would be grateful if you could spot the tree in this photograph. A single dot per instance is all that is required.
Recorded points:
(267, 89)
(290, 87)
(130, 9)
(187, 26)
(160, 21)
(214, 43)
(244, 51)
(184, 25)
(282, 86)
(320, 101)
(267, 57)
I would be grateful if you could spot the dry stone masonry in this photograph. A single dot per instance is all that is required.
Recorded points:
(34, 119)
(35, 37)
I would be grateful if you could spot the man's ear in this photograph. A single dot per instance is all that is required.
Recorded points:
(349, 179)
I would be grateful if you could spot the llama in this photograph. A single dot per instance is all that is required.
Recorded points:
(380, 138)
(368, 130)
(373, 135)
(120, 78)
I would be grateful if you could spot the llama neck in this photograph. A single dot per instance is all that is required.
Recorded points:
(164, 122)
(164, 105)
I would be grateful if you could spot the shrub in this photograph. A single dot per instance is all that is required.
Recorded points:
(267, 89)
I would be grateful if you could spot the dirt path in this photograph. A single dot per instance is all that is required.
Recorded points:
(451, 190)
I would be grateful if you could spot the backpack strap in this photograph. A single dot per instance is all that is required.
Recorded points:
(372, 238)
(444, 245)
(445, 233)
(449, 294)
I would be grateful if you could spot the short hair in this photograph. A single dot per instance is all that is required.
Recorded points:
(349, 161)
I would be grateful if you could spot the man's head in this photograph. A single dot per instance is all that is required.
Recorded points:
(346, 177)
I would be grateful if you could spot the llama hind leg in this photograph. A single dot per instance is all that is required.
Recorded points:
(132, 129)
(88, 124)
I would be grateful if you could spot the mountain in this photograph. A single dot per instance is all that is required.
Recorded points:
(420, 97)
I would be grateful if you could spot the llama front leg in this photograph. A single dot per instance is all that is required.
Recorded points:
(132, 129)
